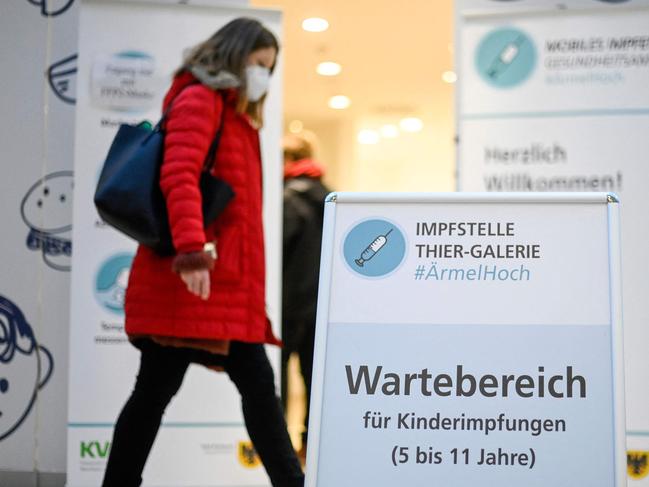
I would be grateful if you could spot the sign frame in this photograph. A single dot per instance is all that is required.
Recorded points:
(329, 246)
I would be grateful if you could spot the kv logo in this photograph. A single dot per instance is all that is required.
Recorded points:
(94, 450)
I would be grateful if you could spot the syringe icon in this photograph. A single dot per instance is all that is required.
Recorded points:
(372, 249)
(500, 64)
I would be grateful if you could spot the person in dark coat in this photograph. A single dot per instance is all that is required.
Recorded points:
(304, 197)
(206, 304)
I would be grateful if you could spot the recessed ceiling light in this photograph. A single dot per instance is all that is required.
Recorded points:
(368, 137)
(315, 24)
(449, 77)
(295, 127)
(329, 68)
(339, 102)
(411, 124)
(390, 131)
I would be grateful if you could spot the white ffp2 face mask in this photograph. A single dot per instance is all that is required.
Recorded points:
(257, 82)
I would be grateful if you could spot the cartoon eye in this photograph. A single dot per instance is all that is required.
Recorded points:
(62, 198)
(39, 203)
(46, 191)
(4, 385)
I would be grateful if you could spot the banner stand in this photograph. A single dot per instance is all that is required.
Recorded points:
(125, 67)
(467, 339)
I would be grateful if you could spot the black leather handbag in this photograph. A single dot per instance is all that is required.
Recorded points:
(128, 195)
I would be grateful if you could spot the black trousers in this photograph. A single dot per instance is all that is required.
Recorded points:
(302, 343)
(162, 370)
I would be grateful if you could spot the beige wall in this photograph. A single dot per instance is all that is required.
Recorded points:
(393, 56)
(423, 161)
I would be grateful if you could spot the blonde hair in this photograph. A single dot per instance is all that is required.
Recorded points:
(299, 146)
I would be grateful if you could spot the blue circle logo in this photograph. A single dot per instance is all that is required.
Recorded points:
(111, 282)
(506, 58)
(374, 248)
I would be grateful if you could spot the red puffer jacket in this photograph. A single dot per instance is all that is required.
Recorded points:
(157, 300)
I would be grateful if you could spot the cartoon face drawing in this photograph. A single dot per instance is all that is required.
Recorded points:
(112, 280)
(47, 210)
(25, 367)
(62, 77)
(52, 8)
(47, 206)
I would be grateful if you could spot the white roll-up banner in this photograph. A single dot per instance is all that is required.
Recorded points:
(131, 57)
(469, 339)
(552, 96)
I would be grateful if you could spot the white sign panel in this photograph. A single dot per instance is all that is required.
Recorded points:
(125, 81)
(556, 100)
(469, 340)
(555, 62)
(125, 66)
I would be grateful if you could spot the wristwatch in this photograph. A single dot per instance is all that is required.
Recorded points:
(210, 248)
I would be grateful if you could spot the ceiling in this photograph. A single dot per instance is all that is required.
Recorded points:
(392, 53)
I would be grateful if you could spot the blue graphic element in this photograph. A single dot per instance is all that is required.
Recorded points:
(62, 77)
(25, 367)
(134, 55)
(52, 8)
(374, 248)
(506, 58)
(111, 282)
(47, 210)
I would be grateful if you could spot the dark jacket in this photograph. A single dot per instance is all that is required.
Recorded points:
(304, 195)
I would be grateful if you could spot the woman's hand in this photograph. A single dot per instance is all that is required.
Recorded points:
(198, 282)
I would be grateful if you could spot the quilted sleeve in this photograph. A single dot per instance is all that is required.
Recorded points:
(190, 128)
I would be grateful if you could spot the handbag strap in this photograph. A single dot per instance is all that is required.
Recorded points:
(214, 146)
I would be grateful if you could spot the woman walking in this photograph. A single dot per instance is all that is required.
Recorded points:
(206, 304)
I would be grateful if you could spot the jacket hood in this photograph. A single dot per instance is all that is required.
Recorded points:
(184, 79)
